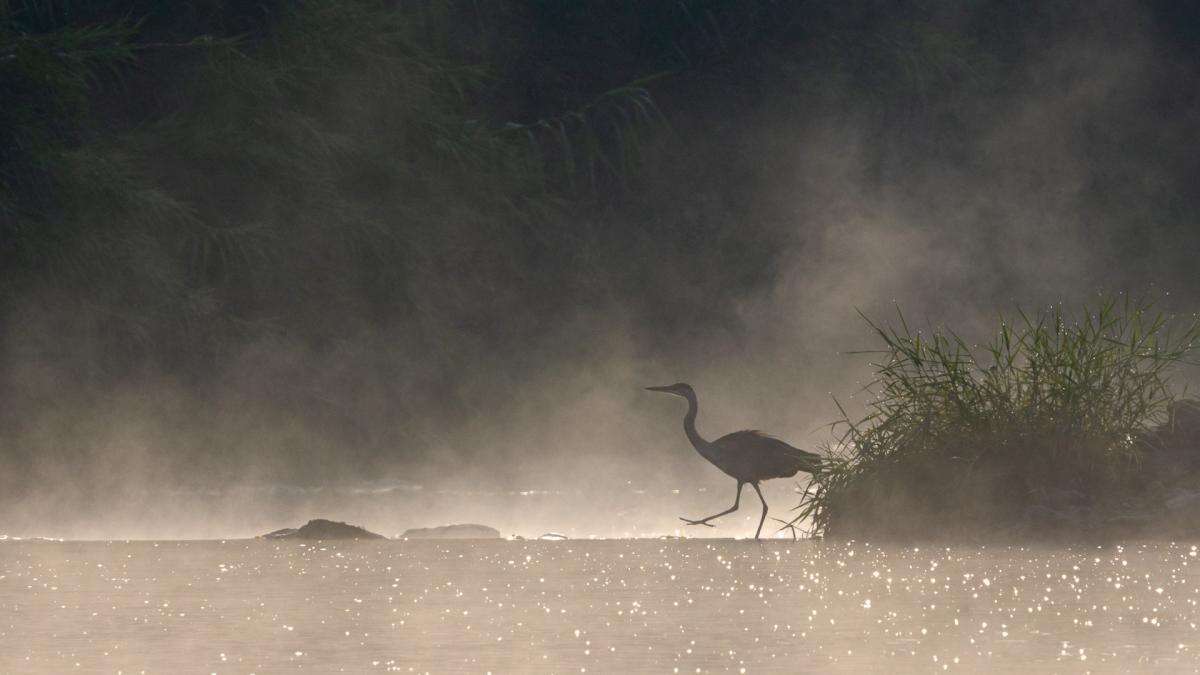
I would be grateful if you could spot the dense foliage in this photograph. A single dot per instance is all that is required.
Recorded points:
(356, 211)
(411, 190)
(1042, 429)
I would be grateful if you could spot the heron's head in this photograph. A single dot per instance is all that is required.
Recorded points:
(679, 389)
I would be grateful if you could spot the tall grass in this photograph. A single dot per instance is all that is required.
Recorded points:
(1042, 428)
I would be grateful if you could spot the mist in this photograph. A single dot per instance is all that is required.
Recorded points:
(951, 162)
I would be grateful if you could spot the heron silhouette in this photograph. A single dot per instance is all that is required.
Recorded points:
(748, 456)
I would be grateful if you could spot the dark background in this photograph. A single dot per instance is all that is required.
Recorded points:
(411, 262)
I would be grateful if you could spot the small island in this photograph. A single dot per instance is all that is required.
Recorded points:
(321, 529)
(463, 531)
(1061, 427)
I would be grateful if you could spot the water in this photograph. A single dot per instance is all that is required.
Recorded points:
(593, 606)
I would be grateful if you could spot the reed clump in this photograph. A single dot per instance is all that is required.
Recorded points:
(1042, 430)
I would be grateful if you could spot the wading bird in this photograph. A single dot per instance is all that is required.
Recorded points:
(747, 456)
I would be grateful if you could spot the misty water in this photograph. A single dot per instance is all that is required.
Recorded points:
(256, 606)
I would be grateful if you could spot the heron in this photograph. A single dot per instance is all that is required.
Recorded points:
(748, 456)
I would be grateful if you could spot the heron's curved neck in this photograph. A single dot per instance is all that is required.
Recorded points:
(689, 425)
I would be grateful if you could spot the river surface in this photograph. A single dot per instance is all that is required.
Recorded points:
(605, 606)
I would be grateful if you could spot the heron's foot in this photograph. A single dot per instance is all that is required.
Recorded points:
(697, 522)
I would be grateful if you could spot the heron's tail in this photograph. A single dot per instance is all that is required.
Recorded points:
(808, 462)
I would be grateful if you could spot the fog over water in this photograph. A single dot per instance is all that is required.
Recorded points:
(1072, 172)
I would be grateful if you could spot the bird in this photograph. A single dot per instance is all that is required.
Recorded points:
(748, 456)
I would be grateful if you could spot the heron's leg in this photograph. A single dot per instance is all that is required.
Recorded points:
(704, 521)
(764, 515)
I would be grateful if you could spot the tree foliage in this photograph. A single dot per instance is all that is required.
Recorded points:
(420, 191)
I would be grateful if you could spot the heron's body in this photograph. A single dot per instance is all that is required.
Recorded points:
(751, 456)
(746, 456)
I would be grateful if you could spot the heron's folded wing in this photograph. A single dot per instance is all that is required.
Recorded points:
(771, 456)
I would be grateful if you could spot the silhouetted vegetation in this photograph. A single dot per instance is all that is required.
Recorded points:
(1044, 429)
(410, 190)
(356, 211)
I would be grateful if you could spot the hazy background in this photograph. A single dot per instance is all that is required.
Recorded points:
(407, 264)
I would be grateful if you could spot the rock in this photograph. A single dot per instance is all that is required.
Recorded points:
(320, 528)
(553, 536)
(465, 531)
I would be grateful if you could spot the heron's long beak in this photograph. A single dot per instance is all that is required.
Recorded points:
(666, 389)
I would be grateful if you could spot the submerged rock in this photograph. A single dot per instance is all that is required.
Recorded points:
(553, 536)
(320, 528)
(463, 531)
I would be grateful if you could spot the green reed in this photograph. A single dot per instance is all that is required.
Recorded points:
(1045, 424)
